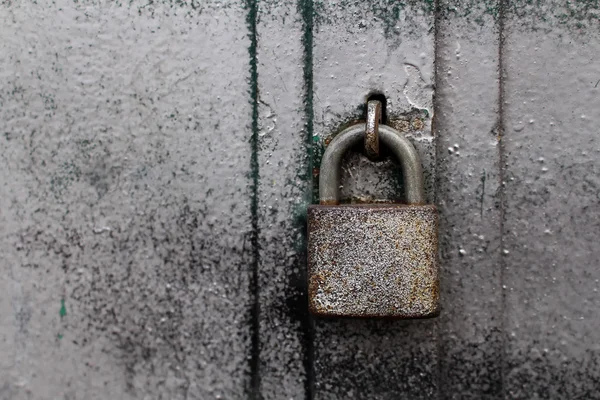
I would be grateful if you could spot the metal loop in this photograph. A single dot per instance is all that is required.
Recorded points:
(329, 177)
(372, 128)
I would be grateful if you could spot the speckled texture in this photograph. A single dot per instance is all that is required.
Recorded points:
(551, 255)
(124, 167)
(142, 194)
(373, 260)
(282, 195)
(468, 183)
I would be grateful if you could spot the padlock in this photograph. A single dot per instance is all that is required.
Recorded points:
(373, 260)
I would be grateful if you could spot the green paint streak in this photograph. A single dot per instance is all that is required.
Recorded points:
(251, 21)
(307, 11)
(63, 309)
(59, 336)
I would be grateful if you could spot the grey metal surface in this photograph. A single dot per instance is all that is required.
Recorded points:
(124, 223)
(468, 199)
(394, 141)
(151, 176)
(281, 202)
(552, 214)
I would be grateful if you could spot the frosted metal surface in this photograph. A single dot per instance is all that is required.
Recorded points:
(157, 159)
(124, 168)
(552, 203)
(468, 182)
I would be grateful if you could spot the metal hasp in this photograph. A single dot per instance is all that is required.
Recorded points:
(372, 128)
(373, 260)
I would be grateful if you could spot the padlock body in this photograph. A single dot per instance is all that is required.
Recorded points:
(373, 260)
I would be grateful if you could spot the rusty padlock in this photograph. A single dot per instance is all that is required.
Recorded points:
(373, 260)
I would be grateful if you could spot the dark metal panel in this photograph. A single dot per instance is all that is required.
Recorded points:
(552, 218)
(124, 164)
(360, 49)
(468, 183)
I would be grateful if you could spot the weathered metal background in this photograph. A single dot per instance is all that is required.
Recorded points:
(156, 162)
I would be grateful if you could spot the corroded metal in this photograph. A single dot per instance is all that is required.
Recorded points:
(401, 147)
(373, 261)
(372, 128)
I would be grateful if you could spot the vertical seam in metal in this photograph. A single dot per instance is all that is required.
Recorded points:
(439, 341)
(502, 193)
(307, 13)
(251, 20)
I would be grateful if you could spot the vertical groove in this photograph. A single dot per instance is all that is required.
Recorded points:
(251, 20)
(436, 57)
(502, 193)
(307, 12)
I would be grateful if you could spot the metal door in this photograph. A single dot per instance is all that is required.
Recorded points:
(157, 158)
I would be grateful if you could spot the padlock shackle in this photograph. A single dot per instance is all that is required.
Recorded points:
(402, 148)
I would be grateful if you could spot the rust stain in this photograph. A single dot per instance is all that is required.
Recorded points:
(418, 124)
(372, 128)
(381, 260)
